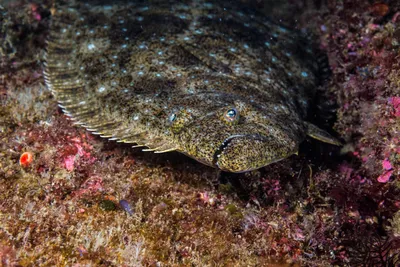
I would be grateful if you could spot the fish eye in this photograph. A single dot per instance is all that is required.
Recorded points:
(231, 116)
(180, 119)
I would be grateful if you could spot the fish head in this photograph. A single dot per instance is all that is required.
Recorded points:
(237, 137)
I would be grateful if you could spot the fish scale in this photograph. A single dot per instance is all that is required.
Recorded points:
(216, 81)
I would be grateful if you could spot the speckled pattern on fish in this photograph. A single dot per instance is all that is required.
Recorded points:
(217, 82)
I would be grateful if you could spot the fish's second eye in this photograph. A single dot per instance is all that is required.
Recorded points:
(180, 119)
(231, 116)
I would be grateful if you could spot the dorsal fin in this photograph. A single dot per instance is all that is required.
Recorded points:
(75, 92)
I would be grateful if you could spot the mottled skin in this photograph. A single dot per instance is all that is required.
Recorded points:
(219, 83)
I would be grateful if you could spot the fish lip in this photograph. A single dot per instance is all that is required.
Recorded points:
(222, 147)
(228, 140)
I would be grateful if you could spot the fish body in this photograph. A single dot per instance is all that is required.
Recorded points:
(215, 81)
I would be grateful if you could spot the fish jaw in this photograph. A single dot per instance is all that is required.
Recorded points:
(242, 153)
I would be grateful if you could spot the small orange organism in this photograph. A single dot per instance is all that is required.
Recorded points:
(26, 159)
(379, 9)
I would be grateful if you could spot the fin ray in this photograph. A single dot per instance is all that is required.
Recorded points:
(321, 135)
(76, 90)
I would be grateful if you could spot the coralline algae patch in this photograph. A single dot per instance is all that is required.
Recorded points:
(86, 201)
(369, 113)
(364, 49)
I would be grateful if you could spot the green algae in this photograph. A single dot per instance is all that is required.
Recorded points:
(234, 211)
(107, 205)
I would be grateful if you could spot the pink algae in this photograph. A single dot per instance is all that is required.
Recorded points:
(384, 178)
(78, 150)
(386, 164)
(396, 105)
(69, 162)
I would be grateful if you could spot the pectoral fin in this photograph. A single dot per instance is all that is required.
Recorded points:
(321, 135)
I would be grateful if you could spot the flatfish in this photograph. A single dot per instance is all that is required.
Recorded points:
(216, 81)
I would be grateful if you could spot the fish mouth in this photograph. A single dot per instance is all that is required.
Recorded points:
(228, 140)
(222, 147)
